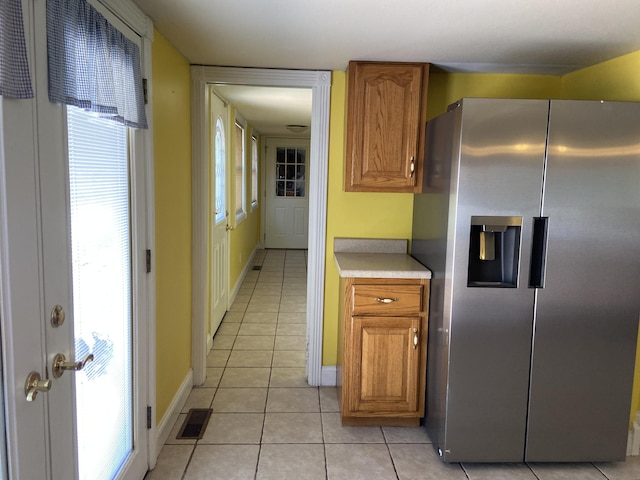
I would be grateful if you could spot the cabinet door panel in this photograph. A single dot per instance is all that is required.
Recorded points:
(385, 364)
(386, 106)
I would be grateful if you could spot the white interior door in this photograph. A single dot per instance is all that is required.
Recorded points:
(220, 212)
(72, 244)
(286, 193)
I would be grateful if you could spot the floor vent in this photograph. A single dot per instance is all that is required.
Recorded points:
(257, 267)
(195, 424)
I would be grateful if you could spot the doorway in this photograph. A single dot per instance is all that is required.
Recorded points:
(320, 84)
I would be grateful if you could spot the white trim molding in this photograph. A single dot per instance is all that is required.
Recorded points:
(129, 13)
(170, 417)
(633, 441)
(329, 376)
(320, 84)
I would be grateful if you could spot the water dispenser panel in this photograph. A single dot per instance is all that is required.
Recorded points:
(494, 251)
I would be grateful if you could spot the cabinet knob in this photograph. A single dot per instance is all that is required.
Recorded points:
(412, 169)
(415, 338)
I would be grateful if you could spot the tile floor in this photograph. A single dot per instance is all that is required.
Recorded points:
(267, 423)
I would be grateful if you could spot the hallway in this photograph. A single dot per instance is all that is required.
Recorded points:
(268, 424)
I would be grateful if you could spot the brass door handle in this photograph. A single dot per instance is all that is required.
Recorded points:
(60, 364)
(35, 384)
(228, 228)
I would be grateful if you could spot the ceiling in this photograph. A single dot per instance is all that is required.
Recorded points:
(270, 109)
(503, 36)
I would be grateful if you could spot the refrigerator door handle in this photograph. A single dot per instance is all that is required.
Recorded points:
(538, 252)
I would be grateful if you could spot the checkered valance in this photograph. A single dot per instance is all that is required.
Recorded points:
(15, 81)
(92, 65)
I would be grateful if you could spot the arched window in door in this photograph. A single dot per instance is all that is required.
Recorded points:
(220, 169)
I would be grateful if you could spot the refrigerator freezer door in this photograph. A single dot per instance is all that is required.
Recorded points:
(502, 149)
(587, 312)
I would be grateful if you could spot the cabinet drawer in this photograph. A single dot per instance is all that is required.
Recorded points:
(387, 299)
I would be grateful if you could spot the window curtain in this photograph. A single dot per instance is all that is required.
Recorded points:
(92, 65)
(15, 81)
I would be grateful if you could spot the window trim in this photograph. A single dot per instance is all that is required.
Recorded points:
(240, 211)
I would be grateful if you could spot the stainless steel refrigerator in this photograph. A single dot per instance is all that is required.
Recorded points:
(530, 223)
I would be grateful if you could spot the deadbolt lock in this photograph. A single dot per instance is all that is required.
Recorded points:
(57, 316)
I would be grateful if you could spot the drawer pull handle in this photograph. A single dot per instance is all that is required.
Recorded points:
(415, 338)
(386, 300)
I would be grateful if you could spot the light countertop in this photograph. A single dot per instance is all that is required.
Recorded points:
(366, 260)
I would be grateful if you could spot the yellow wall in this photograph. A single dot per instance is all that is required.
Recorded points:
(246, 235)
(446, 88)
(617, 79)
(172, 171)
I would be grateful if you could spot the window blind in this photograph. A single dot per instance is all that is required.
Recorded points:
(99, 186)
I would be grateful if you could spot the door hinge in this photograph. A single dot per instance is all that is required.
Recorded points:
(145, 91)
(148, 417)
(148, 261)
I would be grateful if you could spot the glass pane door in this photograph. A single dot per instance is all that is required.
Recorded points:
(99, 190)
(220, 171)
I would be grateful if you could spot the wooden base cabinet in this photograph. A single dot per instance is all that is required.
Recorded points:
(382, 351)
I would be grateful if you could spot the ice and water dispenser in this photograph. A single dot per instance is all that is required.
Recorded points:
(494, 251)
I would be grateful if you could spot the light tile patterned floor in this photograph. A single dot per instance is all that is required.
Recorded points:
(267, 423)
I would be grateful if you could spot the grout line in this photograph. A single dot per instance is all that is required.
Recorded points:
(193, 451)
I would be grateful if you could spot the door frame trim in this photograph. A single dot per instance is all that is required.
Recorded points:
(320, 84)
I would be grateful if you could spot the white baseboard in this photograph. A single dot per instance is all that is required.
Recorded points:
(633, 441)
(248, 266)
(328, 376)
(171, 415)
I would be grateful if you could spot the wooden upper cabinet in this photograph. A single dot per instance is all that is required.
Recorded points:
(386, 115)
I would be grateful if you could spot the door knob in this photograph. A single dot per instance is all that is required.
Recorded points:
(60, 364)
(228, 228)
(35, 384)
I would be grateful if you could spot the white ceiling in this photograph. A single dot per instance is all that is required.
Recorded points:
(509, 36)
(269, 109)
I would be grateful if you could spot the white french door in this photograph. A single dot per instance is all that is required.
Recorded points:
(74, 291)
